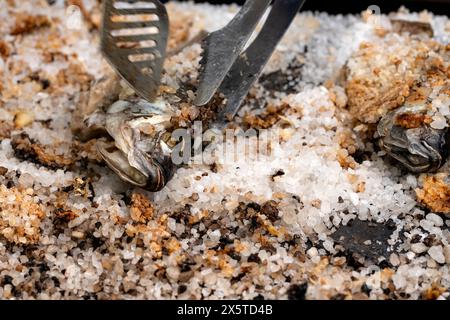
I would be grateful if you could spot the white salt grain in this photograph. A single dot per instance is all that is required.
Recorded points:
(447, 254)
(410, 255)
(394, 259)
(78, 234)
(435, 219)
(173, 273)
(215, 235)
(438, 122)
(312, 252)
(419, 247)
(437, 254)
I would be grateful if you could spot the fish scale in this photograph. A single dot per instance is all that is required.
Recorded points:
(140, 66)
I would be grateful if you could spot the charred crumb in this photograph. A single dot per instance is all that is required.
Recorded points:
(182, 215)
(253, 258)
(270, 210)
(366, 289)
(38, 78)
(27, 23)
(279, 173)
(27, 149)
(238, 278)
(360, 156)
(338, 296)
(283, 81)
(297, 291)
(5, 49)
(267, 119)
(181, 289)
(3, 171)
(5, 129)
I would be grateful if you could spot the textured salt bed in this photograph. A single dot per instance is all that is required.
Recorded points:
(209, 237)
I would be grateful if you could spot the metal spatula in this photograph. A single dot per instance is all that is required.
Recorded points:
(134, 40)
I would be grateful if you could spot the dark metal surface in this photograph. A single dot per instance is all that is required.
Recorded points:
(143, 75)
(355, 235)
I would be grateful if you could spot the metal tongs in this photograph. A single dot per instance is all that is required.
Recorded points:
(134, 40)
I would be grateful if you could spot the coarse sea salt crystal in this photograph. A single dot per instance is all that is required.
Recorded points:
(426, 225)
(411, 180)
(394, 260)
(447, 254)
(410, 255)
(439, 122)
(418, 247)
(354, 198)
(171, 224)
(435, 219)
(215, 235)
(312, 252)
(437, 254)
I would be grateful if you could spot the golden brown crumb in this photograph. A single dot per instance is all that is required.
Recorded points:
(268, 118)
(172, 245)
(412, 120)
(142, 209)
(28, 149)
(26, 23)
(193, 219)
(433, 292)
(20, 215)
(3, 171)
(74, 74)
(435, 193)
(23, 118)
(5, 129)
(81, 186)
(380, 78)
(361, 187)
(153, 234)
(66, 215)
(5, 50)
(181, 23)
(347, 140)
(345, 160)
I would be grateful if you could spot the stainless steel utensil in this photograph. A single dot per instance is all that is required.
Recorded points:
(231, 71)
(134, 40)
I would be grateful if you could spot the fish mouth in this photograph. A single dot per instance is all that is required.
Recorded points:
(158, 171)
(417, 158)
(135, 149)
(421, 149)
(118, 162)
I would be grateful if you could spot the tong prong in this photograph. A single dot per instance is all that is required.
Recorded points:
(232, 72)
(222, 47)
(249, 65)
